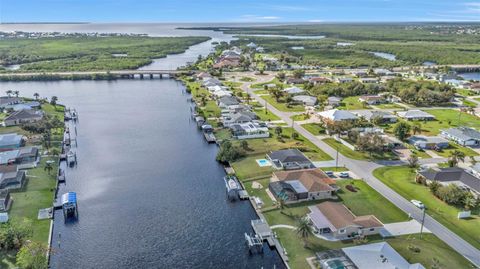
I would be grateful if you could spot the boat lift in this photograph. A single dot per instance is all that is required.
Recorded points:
(69, 205)
(232, 187)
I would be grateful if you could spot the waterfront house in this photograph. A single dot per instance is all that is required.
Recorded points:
(227, 62)
(359, 73)
(415, 114)
(334, 101)
(464, 136)
(372, 115)
(302, 185)
(293, 91)
(228, 102)
(428, 142)
(210, 82)
(238, 118)
(249, 130)
(10, 141)
(4, 200)
(335, 115)
(203, 75)
(336, 220)
(23, 106)
(289, 159)
(25, 157)
(23, 116)
(11, 178)
(7, 100)
(369, 256)
(305, 100)
(372, 99)
(452, 175)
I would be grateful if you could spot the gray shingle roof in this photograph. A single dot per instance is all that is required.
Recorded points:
(463, 133)
(452, 174)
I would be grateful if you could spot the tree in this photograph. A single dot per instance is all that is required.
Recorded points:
(229, 153)
(48, 167)
(244, 144)
(32, 256)
(248, 98)
(9, 92)
(53, 101)
(298, 73)
(14, 233)
(17, 93)
(36, 95)
(278, 131)
(417, 128)
(401, 130)
(455, 157)
(304, 230)
(412, 161)
(55, 152)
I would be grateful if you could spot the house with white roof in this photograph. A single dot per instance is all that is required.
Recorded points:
(249, 130)
(415, 114)
(293, 90)
(336, 115)
(305, 100)
(464, 136)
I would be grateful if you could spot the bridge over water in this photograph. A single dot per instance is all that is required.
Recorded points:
(128, 74)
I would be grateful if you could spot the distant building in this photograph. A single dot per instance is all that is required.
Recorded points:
(428, 142)
(295, 81)
(305, 100)
(464, 136)
(5, 200)
(293, 91)
(335, 115)
(11, 178)
(334, 101)
(372, 99)
(415, 115)
(343, 80)
(319, 80)
(370, 115)
(10, 141)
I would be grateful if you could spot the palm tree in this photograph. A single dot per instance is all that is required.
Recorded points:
(417, 128)
(304, 230)
(17, 93)
(455, 157)
(53, 101)
(36, 95)
(48, 167)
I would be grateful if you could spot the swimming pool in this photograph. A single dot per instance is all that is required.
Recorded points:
(263, 162)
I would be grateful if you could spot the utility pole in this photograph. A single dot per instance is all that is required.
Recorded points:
(423, 221)
(336, 160)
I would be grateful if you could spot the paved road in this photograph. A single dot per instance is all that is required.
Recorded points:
(364, 169)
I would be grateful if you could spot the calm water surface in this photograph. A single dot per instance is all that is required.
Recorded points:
(150, 192)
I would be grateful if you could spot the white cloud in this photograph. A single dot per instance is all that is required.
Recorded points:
(315, 20)
(253, 18)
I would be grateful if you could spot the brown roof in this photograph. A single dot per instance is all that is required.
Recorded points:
(313, 180)
(340, 217)
(319, 79)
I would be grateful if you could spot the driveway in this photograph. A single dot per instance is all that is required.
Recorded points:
(402, 228)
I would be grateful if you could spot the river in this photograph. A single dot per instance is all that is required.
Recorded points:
(151, 194)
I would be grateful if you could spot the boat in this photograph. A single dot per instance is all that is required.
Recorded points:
(232, 184)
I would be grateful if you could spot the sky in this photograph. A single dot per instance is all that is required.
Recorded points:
(237, 11)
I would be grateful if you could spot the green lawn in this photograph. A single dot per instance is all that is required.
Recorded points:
(265, 145)
(248, 168)
(466, 150)
(300, 117)
(261, 193)
(401, 180)
(352, 103)
(282, 106)
(266, 115)
(358, 155)
(314, 128)
(261, 85)
(465, 92)
(420, 153)
(469, 103)
(448, 118)
(387, 106)
(367, 201)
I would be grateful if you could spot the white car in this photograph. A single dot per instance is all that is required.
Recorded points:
(418, 204)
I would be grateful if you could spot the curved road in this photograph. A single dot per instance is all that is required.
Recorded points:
(364, 169)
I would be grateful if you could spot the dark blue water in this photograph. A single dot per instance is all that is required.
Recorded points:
(150, 193)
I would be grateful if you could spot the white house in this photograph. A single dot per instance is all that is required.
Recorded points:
(464, 136)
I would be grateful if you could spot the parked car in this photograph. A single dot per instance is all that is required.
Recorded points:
(329, 173)
(418, 204)
(344, 175)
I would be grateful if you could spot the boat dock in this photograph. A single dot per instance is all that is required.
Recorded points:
(210, 137)
(263, 230)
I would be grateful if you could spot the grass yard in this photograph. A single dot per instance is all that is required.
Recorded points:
(446, 152)
(352, 103)
(314, 128)
(388, 106)
(368, 201)
(401, 180)
(247, 168)
(357, 155)
(265, 145)
(266, 115)
(283, 106)
(300, 117)
(261, 192)
(469, 103)
(261, 85)
(465, 92)
(448, 118)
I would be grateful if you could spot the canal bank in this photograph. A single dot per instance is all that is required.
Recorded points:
(149, 188)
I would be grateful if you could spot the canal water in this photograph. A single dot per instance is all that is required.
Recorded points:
(150, 192)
